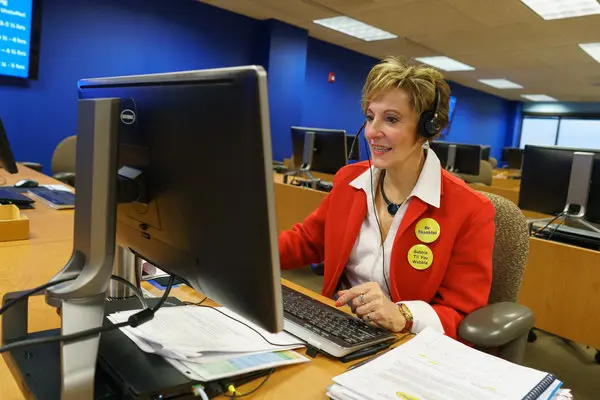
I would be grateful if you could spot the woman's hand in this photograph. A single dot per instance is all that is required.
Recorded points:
(371, 305)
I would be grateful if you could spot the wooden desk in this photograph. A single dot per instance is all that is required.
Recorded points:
(506, 183)
(561, 286)
(46, 224)
(293, 204)
(25, 264)
(511, 194)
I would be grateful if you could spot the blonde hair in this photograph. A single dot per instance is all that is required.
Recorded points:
(418, 81)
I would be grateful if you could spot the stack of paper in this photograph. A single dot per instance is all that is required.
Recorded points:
(435, 367)
(205, 345)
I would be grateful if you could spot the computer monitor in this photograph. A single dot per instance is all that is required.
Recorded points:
(513, 156)
(329, 149)
(485, 153)
(181, 135)
(353, 153)
(7, 160)
(458, 157)
(195, 196)
(555, 179)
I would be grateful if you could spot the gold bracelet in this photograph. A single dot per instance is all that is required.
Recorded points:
(408, 317)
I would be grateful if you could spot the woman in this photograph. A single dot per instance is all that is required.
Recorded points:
(406, 244)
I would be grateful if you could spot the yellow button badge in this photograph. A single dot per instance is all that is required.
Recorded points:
(427, 230)
(420, 257)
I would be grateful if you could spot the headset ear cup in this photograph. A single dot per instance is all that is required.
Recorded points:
(428, 124)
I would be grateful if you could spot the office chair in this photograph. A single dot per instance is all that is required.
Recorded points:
(502, 326)
(63, 161)
(493, 162)
(484, 177)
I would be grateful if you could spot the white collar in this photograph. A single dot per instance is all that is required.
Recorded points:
(428, 187)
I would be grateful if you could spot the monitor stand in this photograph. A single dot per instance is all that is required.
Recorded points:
(307, 158)
(577, 195)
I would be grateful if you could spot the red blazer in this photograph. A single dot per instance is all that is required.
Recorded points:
(459, 280)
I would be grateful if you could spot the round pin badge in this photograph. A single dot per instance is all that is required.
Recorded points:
(427, 230)
(420, 257)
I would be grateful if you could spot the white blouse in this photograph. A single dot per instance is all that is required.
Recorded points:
(365, 262)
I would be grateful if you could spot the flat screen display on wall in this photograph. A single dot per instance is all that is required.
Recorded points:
(19, 38)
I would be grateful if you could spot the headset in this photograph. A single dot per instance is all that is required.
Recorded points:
(429, 123)
(429, 126)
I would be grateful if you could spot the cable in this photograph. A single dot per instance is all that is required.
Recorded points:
(562, 221)
(549, 223)
(165, 294)
(382, 239)
(257, 332)
(191, 303)
(236, 396)
(33, 291)
(62, 338)
(136, 290)
(134, 320)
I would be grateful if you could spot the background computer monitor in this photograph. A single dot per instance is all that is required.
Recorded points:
(330, 151)
(7, 160)
(467, 158)
(513, 156)
(485, 153)
(355, 154)
(545, 180)
(210, 219)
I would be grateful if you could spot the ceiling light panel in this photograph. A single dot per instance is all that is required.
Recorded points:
(501, 83)
(593, 49)
(559, 9)
(354, 28)
(538, 97)
(445, 63)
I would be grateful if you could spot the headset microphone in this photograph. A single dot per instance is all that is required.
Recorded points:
(355, 139)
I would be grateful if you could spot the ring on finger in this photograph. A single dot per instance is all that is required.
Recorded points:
(362, 298)
(368, 317)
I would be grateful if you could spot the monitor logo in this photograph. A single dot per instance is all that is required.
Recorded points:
(128, 116)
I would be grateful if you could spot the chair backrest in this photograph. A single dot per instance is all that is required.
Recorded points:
(63, 159)
(493, 162)
(485, 174)
(511, 249)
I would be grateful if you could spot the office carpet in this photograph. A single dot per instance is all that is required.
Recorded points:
(572, 363)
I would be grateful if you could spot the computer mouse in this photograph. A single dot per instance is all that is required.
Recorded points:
(27, 183)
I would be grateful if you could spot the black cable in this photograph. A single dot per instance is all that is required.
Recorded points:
(549, 223)
(33, 291)
(191, 303)
(134, 320)
(257, 332)
(236, 396)
(136, 290)
(62, 338)
(562, 221)
(382, 239)
(165, 294)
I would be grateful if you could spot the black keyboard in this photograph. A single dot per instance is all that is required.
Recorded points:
(56, 198)
(329, 322)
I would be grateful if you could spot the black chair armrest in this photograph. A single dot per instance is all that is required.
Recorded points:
(33, 165)
(65, 177)
(496, 324)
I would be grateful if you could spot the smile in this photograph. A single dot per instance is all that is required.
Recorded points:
(380, 149)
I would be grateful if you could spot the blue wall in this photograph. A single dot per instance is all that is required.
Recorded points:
(479, 118)
(93, 38)
(335, 105)
(286, 72)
